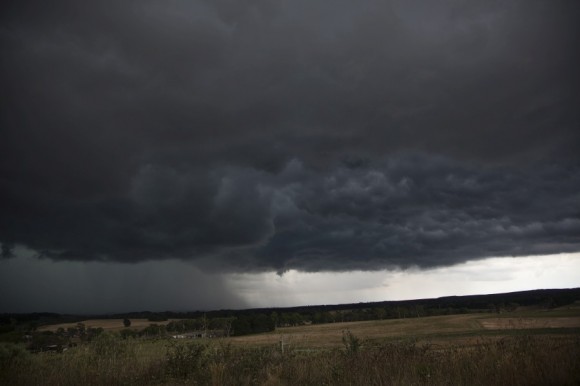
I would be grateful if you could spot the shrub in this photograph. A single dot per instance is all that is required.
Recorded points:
(185, 359)
(351, 342)
(109, 346)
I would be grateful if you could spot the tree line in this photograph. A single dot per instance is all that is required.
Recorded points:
(13, 327)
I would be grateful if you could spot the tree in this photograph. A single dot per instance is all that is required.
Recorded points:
(241, 326)
(126, 322)
(380, 313)
(275, 319)
(262, 323)
(81, 329)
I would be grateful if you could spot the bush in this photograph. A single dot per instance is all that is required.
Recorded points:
(128, 333)
(351, 342)
(109, 346)
(185, 359)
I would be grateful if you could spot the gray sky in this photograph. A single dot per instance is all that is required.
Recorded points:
(258, 137)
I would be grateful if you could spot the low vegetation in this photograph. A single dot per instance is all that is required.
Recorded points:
(519, 345)
(111, 360)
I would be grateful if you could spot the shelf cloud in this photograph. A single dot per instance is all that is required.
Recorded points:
(256, 136)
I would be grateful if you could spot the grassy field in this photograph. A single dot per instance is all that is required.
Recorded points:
(105, 324)
(448, 329)
(518, 348)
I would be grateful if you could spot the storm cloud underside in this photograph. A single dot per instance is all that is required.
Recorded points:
(274, 135)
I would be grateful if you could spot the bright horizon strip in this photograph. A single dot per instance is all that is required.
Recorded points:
(477, 277)
(42, 285)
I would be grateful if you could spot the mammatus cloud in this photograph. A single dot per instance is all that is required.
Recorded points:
(305, 135)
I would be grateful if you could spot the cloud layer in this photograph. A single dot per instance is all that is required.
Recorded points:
(309, 135)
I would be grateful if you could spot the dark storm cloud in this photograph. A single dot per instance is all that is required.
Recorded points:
(424, 211)
(313, 135)
(36, 285)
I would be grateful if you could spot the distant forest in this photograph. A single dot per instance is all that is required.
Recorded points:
(249, 321)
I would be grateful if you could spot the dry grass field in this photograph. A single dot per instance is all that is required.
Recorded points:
(439, 329)
(527, 347)
(105, 324)
(530, 323)
(448, 329)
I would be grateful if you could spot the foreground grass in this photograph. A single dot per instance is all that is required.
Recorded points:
(515, 360)
(473, 349)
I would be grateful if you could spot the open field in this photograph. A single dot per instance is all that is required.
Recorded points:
(468, 349)
(436, 329)
(530, 323)
(105, 324)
